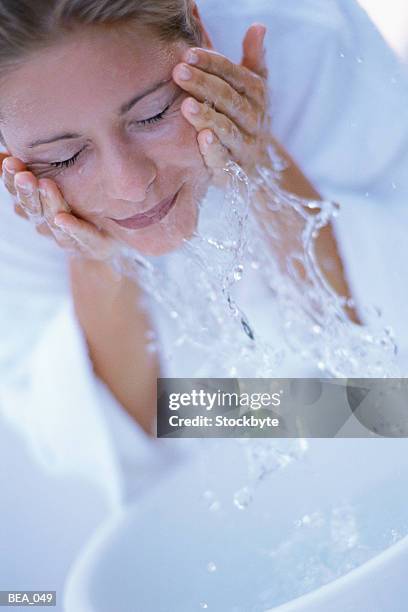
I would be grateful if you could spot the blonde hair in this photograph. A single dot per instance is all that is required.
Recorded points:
(29, 25)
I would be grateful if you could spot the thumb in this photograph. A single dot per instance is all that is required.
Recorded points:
(254, 51)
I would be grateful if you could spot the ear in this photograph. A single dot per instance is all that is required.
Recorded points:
(206, 37)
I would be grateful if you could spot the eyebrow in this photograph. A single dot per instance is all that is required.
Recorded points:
(125, 108)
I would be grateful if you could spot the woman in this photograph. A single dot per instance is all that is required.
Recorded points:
(144, 157)
(129, 139)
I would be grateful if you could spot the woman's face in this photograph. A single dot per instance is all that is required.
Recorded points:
(105, 100)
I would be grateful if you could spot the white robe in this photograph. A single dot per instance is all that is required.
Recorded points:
(339, 100)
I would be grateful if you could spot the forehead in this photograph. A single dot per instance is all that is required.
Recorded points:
(89, 72)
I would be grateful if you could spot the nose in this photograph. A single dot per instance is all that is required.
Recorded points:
(128, 176)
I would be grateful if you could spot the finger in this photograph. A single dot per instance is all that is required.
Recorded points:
(226, 130)
(210, 88)
(239, 77)
(254, 51)
(20, 211)
(85, 235)
(53, 203)
(90, 240)
(44, 230)
(27, 192)
(10, 167)
(215, 155)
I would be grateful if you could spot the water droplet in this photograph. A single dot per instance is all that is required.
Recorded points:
(204, 605)
(247, 329)
(342, 55)
(395, 536)
(238, 271)
(284, 460)
(208, 495)
(242, 498)
(211, 567)
(214, 506)
(359, 60)
(211, 500)
(394, 185)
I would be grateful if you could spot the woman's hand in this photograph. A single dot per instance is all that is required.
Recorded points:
(229, 103)
(42, 202)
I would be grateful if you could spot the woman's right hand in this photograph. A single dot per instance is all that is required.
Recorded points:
(42, 202)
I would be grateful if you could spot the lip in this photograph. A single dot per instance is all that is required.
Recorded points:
(154, 215)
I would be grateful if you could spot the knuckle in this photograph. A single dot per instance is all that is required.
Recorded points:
(260, 90)
(206, 60)
(199, 78)
(207, 112)
(237, 101)
(233, 131)
(230, 69)
(249, 140)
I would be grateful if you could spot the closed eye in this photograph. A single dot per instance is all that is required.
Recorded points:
(154, 119)
(68, 162)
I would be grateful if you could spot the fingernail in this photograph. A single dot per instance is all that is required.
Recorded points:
(210, 138)
(43, 192)
(193, 107)
(184, 73)
(192, 57)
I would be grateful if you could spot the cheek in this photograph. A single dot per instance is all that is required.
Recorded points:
(180, 147)
(82, 197)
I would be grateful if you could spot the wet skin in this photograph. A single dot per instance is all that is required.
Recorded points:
(201, 111)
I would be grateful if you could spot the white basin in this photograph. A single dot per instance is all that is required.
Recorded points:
(338, 506)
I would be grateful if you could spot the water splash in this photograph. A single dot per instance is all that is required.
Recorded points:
(254, 224)
(263, 459)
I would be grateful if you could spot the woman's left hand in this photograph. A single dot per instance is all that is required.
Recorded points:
(229, 102)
